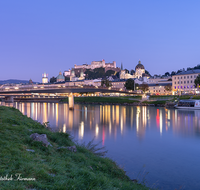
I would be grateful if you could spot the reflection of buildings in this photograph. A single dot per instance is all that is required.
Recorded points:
(108, 121)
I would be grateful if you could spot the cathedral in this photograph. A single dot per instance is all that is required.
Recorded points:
(139, 72)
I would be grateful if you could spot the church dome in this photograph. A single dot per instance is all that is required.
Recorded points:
(139, 66)
(60, 76)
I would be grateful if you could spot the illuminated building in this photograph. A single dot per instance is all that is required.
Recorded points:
(184, 82)
(96, 64)
(139, 72)
(44, 78)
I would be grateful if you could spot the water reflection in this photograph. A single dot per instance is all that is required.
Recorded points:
(165, 140)
(110, 120)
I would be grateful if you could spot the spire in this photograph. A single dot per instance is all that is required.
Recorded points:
(121, 66)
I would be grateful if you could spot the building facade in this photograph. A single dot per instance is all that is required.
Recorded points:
(184, 82)
(159, 89)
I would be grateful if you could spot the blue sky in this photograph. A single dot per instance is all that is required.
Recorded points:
(49, 36)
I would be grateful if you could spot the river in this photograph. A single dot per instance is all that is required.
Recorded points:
(160, 147)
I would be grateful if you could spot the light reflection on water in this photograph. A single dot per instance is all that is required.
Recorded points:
(166, 141)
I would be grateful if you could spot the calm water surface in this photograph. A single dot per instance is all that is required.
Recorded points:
(158, 146)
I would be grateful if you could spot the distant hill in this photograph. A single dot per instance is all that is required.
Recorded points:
(14, 81)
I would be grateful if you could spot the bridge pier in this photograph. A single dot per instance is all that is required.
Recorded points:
(9, 99)
(71, 101)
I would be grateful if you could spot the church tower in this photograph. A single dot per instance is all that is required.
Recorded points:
(44, 78)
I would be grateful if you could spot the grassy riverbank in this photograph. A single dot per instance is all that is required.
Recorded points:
(52, 168)
(98, 99)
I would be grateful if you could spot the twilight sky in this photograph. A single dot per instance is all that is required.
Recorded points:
(49, 36)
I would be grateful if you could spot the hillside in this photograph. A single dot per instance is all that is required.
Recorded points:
(14, 81)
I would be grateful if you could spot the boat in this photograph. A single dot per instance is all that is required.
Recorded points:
(188, 104)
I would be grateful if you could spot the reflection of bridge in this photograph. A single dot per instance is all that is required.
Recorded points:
(10, 92)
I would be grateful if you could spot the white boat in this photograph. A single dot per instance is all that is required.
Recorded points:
(188, 104)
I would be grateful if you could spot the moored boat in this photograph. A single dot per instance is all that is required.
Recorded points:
(188, 104)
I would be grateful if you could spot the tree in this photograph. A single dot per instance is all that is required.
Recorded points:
(173, 73)
(144, 87)
(110, 72)
(52, 79)
(130, 84)
(167, 74)
(126, 70)
(106, 83)
(147, 72)
(197, 81)
(132, 71)
(168, 87)
(67, 78)
(179, 71)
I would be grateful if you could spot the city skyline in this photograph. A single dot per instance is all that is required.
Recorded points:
(49, 36)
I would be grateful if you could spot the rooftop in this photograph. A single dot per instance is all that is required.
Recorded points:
(189, 72)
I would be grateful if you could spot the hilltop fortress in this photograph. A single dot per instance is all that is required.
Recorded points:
(96, 64)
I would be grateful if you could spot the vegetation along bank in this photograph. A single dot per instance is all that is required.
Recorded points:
(132, 100)
(55, 163)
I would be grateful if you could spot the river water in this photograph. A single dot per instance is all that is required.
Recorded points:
(160, 147)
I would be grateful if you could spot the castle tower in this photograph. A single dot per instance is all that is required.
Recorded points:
(81, 74)
(103, 63)
(44, 78)
(72, 76)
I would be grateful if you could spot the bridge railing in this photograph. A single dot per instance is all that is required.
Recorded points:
(25, 88)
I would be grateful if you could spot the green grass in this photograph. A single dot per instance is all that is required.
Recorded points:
(155, 102)
(121, 100)
(184, 97)
(51, 167)
(161, 96)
